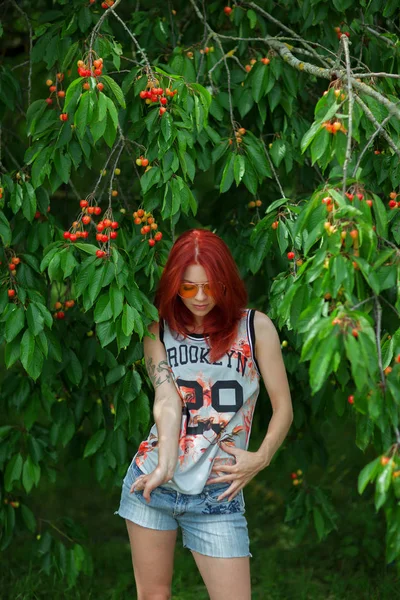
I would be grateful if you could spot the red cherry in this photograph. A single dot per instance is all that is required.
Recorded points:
(97, 210)
(64, 116)
(162, 110)
(84, 203)
(86, 219)
(227, 10)
(85, 234)
(151, 242)
(11, 293)
(66, 235)
(350, 399)
(60, 314)
(100, 87)
(115, 224)
(143, 94)
(99, 236)
(104, 238)
(107, 223)
(290, 255)
(163, 100)
(114, 235)
(100, 227)
(392, 203)
(49, 101)
(73, 237)
(158, 236)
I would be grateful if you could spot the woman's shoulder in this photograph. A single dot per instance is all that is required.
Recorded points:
(262, 322)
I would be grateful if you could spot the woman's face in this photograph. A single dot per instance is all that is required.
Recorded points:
(200, 304)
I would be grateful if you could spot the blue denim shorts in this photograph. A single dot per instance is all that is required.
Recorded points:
(211, 527)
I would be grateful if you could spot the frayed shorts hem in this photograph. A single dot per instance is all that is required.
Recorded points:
(137, 521)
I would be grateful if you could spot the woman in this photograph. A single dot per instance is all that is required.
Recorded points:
(205, 361)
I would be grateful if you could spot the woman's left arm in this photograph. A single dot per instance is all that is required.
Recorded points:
(272, 369)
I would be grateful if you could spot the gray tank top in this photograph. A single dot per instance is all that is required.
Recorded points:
(218, 404)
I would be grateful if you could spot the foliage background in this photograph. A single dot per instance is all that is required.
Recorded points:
(75, 400)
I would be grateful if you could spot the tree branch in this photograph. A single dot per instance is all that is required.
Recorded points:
(371, 117)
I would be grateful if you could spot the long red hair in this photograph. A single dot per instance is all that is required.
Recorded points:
(202, 247)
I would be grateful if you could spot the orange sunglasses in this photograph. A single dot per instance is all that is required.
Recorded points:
(189, 290)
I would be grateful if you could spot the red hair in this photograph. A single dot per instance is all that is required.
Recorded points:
(202, 247)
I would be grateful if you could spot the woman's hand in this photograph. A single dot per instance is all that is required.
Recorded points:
(248, 464)
(150, 481)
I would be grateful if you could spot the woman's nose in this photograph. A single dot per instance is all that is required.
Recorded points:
(201, 295)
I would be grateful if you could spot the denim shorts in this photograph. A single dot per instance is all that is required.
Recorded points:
(211, 527)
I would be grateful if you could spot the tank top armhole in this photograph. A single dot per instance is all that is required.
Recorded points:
(161, 330)
(252, 337)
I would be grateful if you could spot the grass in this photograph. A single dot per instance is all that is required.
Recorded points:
(349, 564)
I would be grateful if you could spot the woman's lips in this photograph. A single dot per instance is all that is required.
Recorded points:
(200, 305)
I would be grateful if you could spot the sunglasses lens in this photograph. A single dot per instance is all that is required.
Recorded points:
(187, 290)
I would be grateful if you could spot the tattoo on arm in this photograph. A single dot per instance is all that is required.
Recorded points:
(158, 373)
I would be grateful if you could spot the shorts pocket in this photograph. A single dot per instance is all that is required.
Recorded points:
(212, 494)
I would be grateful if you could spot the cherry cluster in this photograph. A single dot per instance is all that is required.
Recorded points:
(265, 61)
(339, 32)
(105, 232)
(60, 314)
(78, 230)
(95, 70)
(60, 93)
(392, 202)
(157, 94)
(140, 216)
(12, 266)
(254, 203)
(334, 126)
(296, 477)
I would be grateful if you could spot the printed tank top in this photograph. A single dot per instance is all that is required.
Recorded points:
(218, 401)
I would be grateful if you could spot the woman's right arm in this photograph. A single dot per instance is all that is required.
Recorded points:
(167, 411)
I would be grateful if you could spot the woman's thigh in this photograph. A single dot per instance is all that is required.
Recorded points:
(152, 559)
(225, 578)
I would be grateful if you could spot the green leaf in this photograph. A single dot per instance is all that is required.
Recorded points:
(380, 217)
(29, 474)
(251, 15)
(259, 81)
(28, 518)
(63, 165)
(166, 126)
(102, 311)
(116, 300)
(116, 90)
(150, 178)
(14, 324)
(322, 362)
(112, 111)
(83, 114)
(5, 229)
(227, 175)
(115, 374)
(319, 144)
(368, 473)
(95, 443)
(35, 319)
(29, 202)
(13, 472)
(239, 168)
(27, 348)
(128, 319)
(34, 367)
(106, 332)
